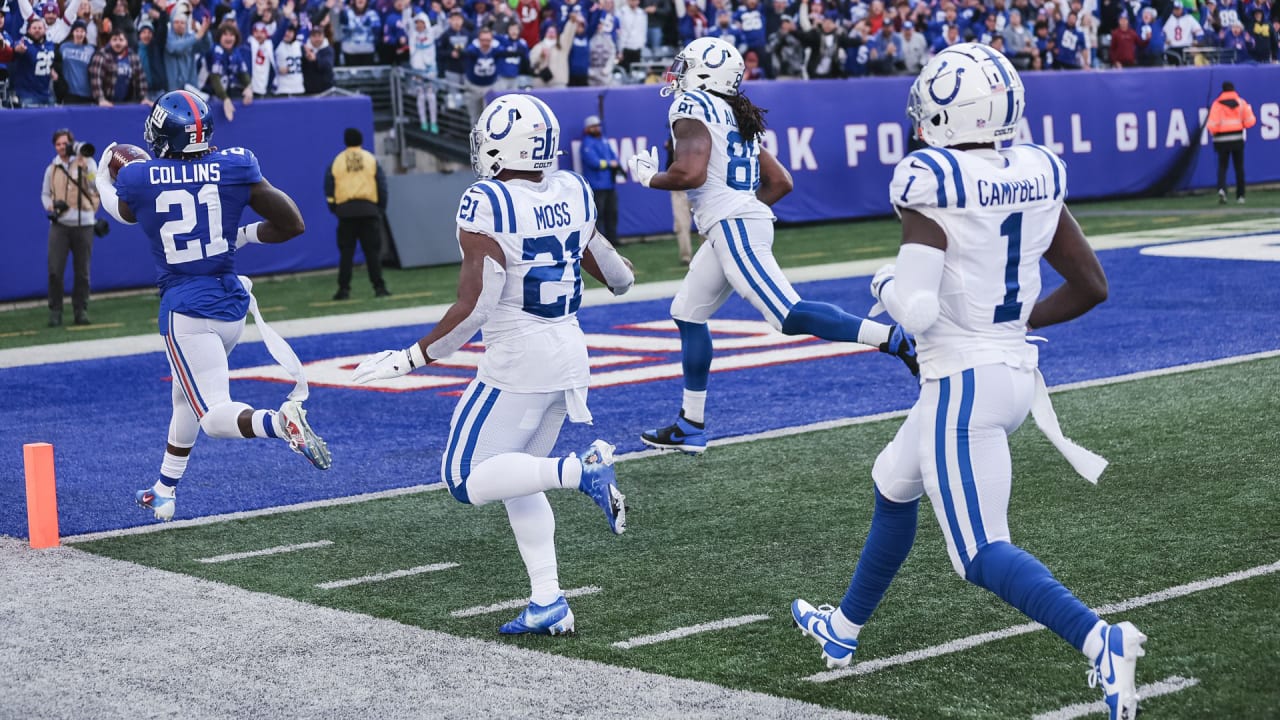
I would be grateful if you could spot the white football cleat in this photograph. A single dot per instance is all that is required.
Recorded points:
(300, 436)
(816, 623)
(1116, 669)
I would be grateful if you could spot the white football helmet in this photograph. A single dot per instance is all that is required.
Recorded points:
(706, 64)
(968, 93)
(514, 132)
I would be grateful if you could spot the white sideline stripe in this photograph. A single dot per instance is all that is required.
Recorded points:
(639, 454)
(262, 553)
(1171, 684)
(435, 567)
(513, 604)
(426, 315)
(678, 633)
(1178, 591)
(246, 514)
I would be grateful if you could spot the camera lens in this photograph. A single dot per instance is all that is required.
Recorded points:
(87, 149)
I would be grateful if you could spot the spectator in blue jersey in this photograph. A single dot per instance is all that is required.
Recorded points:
(600, 167)
(115, 75)
(513, 68)
(481, 59)
(579, 49)
(724, 29)
(1072, 53)
(856, 53)
(950, 36)
(751, 21)
(74, 55)
(450, 47)
(151, 54)
(395, 34)
(317, 62)
(884, 51)
(361, 28)
(186, 43)
(32, 70)
(229, 74)
(693, 24)
(985, 31)
(1239, 44)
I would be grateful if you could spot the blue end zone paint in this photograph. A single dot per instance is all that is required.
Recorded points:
(107, 418)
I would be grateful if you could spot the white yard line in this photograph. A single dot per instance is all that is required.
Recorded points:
(245, 514)
(1171, 684)
(864, 668)
(435, 567)
(719, 442)
(427, 314)
(264, 552)
(683, 632)
(513, 604)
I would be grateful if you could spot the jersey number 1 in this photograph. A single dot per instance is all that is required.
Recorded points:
(1011, 309)
(186, 222)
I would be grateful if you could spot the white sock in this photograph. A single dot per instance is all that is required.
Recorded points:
(843, 626)
(534, 526)
(172, 467)
(695, 401)
(513, 475)
(162, 490)
(1093, 642)
(264, 424)
(873, 333)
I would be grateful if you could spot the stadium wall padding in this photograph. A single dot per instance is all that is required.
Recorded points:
(1121, 134)
(295, 140)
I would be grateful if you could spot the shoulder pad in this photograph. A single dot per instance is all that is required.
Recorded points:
(928, 178)
(694, 104)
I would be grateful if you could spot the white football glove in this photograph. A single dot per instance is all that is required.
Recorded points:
(388, 364)
(882, 277)
(644, 166)
(104, 162)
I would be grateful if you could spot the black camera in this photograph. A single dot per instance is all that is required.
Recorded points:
(59, 207)
(84, 149)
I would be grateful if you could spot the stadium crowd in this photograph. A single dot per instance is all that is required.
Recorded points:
(131, 51)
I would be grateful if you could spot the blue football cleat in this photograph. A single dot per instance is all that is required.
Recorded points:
(599, 482)
(1116, 669)
(685, 436)
(553, 619)
(902, 346)
(163, 507)
(816, 623)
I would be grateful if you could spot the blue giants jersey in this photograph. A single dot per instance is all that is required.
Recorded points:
(190, 211)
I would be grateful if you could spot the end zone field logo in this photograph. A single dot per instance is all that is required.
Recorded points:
(640, 352)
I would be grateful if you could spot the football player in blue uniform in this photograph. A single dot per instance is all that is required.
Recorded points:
(732, 182)
(976, 220)
(189, 200)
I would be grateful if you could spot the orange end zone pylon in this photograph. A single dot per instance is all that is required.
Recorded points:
(42, 495)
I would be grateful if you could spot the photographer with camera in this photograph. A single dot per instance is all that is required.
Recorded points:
(70, 201)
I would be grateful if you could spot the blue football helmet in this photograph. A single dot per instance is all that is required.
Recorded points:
(180, 123)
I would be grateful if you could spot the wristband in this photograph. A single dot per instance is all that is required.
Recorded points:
(248, 235)
(416, 358)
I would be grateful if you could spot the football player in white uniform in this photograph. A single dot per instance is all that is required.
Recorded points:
(976, 219)
(731, 183)
(526, 232)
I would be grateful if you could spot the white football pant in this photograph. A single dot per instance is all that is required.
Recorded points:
(954, 445)
(737, 255)
(197, 349)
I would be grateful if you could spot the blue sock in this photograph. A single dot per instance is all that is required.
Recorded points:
(893, 532)
(695, 354)
(822, 320)
(1018, 578)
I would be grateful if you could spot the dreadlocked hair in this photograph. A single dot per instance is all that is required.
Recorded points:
(750, 118)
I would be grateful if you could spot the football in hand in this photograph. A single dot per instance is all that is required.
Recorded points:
(122, 155)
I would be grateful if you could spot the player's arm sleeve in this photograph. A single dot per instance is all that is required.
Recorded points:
(110, 194)
(912, 296)
(618, 276)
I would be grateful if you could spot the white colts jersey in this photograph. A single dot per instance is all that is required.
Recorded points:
(1000, 211)
(733, 170)
(532, 340)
